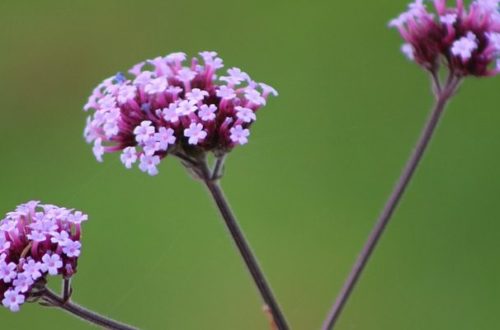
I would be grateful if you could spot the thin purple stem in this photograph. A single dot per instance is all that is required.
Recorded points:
(443, 95)
(218, 168)
(67, 290)
(243, 247)
(52, 299)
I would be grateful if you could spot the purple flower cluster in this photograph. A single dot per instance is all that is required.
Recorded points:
(167, 107)
(36, 240)
(467, 38)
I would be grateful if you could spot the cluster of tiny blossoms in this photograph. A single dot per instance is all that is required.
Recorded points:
(168, 107)
(36, 240)
(467, 38)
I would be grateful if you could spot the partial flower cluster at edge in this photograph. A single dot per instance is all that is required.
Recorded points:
(468, 39)
(36, 240)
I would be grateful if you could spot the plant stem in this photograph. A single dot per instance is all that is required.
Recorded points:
(55, 301)
(218, 168)
(443, 95)
(67, 289)
(243, 247)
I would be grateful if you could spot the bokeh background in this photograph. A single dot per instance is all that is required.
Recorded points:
(307, 189)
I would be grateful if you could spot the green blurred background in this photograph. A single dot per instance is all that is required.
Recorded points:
(307, 189)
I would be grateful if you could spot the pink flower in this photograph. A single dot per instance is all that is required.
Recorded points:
(8, 225)
(175, 58)
(245, 114)
(12, 300)
(32, 269)
(37, 236)
(151, 146)
(226, 93)
(174, 91)
(144, 131)
(7, 271)
(23, 282)
(4, 243)
(72, 248)
(126, 93)
(186, 74)
(239, 135)
(98, 149)
(52, 263)
(268, 90)
(129, 156)
(195, 133)
(236, 77)
(170, 114)
(196, 95)
(46, 224)
(254, 97)
(60, 238)
(207, 112)
(170, 106)
(148, 164)
(186, 107)
(408, 50)
(448, 19)
(464, 46)
(143, 78)
(165, 137)
(155, 86)
(77, 217)
(211, 60)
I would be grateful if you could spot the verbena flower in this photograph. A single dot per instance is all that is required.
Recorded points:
(170, 106)
(36, 240)
(468, 39)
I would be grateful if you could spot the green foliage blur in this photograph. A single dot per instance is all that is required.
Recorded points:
(322, 158)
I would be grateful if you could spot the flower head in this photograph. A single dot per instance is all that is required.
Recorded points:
(36, 240)
(167, 106)
(466, 38)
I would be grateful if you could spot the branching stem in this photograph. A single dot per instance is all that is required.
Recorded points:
(49, 298)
